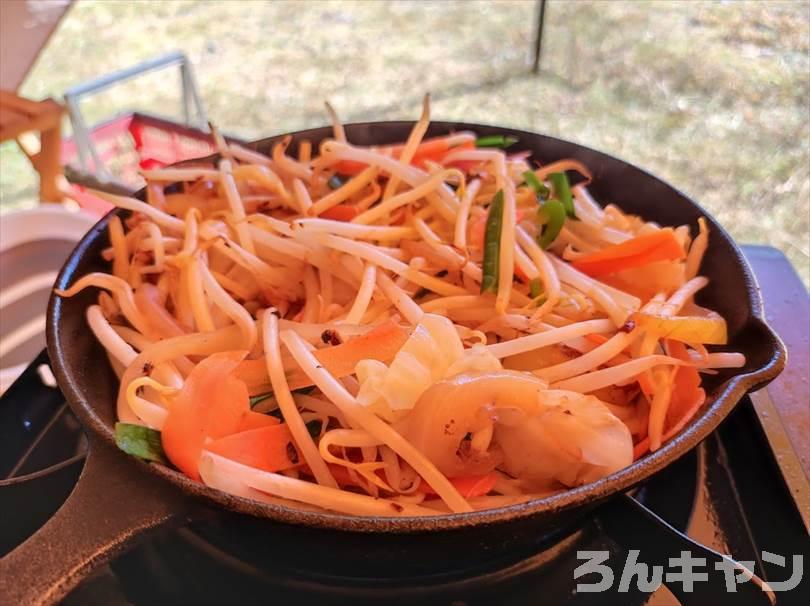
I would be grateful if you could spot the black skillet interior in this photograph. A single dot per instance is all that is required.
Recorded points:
(90, 386)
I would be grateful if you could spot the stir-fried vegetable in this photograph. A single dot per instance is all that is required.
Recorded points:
(537, 185)
(381, 343)
(492, 245)
(660, 245)
(687, 398)
(551, 213)
(561, 190)
(341, 212)
(211, 404)
(269, 448)
(368, 271)
(500, 141)
(710, 329)
(142, 442)
(256, 420)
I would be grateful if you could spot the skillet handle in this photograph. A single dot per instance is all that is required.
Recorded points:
(634, 526)
(115, 500)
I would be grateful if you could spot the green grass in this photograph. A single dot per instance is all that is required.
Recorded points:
(712, 96)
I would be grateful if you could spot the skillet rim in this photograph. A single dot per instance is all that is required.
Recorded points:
(728, 394)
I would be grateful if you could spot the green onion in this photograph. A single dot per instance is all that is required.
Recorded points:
(562, 191)
(539, 188)
(260, 398)
(552, 214)
(502, 141)
(492, 244)
(142, 442)
(535, 288)
(335, 181)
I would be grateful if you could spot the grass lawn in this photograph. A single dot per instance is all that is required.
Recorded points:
(712, 96)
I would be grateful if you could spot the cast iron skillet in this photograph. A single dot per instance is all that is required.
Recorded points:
(118, 497)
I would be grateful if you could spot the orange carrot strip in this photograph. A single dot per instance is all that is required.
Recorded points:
(381, 343)
(269, 448)
(687, 398)
(661, 245)
(205, 400)
(231, 403)
(642, 447)
(256, 420)
(435, 149)
(645, 384)
(686, 388)
(350, 167)
(341, 212)
(598, 339)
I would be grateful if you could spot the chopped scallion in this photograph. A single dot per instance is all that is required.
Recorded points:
(562, 192)
(502, 141)
(139, 441)
(552, 215)
(535, 288)
(539, 188)
(492, 244)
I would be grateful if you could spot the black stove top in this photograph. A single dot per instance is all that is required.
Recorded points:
(728, 495)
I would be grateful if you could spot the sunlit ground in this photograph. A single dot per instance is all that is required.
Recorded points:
(712, 96)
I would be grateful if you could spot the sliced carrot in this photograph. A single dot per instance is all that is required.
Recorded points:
(256, 420)
(645, 384)
(268, 448)
(203, 407)
(642, 447)
(341, 212)
(350, 167)
(597, 338)
(436, 149)
(647, 281)
(687, 398)
(468, 486)
(686, 388)
(231, 404)
(661, 245)
(381, 343)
